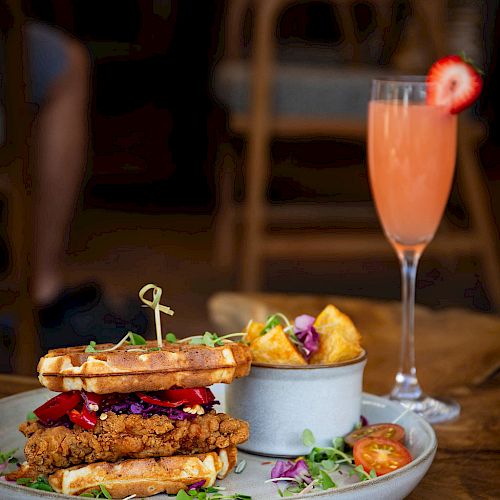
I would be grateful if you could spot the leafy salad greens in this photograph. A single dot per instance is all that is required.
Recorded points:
(210, 493)
(314, 470)
(6, 459)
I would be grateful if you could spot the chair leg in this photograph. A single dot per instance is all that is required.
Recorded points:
(473, 186)
(254, 214)
(259, 142)
(225, 218)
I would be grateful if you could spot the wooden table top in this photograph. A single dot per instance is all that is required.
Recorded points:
(458, 355)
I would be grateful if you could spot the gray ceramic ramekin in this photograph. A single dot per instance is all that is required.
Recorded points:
(279, 402)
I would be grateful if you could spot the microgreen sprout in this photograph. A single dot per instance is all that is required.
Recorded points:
(308, 438)
(91, 346)
(136, 339)
(6, 459)
(130, 338)
(8, 456)
(362, 474)
(210, 493)
(320, 463)
(210, 339)
(275, 320)
(102, 492)
(326, 481)
(40, 483)
(170, 338)
(271, 322)
(30, 416)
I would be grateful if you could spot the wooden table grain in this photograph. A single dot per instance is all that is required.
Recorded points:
(458, 355)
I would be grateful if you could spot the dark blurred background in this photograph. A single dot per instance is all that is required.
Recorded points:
(148, 205)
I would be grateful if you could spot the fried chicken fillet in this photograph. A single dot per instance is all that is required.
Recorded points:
(129, 436)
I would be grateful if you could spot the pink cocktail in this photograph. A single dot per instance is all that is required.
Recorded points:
(412, 161)
(411, 156)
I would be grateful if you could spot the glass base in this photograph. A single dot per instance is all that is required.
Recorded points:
(433, 410)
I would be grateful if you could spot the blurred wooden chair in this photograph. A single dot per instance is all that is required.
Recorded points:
(270, 99)
(15, 187)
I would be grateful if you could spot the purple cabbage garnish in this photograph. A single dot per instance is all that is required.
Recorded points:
(131, 404)
(297, 470)
(197, 485)
(136, 408)
(126, 404)
(363, 421)
(306, 334)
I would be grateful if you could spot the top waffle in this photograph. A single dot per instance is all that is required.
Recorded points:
(139, 368)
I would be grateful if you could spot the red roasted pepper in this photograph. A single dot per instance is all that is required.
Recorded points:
(174, 398)
(160, 402)
(85, 419)
(58, 406)
(195, 395)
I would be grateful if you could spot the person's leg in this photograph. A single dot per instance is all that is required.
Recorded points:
(59, 73)
(60, 150)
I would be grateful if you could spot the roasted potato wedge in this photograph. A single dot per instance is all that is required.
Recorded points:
(274, 347)
(339, 338)
(253, 330)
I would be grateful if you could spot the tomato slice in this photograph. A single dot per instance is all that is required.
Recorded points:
(387, 431)
(380, 454)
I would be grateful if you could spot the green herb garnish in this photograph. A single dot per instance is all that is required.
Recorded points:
(8, 457)
(40, 483)
(326, 481)
(271, 322)
(170, 338)
(91, 346)
(31, 416)
(321, 462)
(210, 493)
(92, 494)
(105, 492)
(308, 438)
(131, 338)
(208, 339)
(136, 339)
(338, 443)
(211, 339)
(362, 474)
(102, 492)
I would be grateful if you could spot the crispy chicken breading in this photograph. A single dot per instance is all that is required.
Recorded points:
(130, 436)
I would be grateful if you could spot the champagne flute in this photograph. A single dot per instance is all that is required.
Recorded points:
(411, 157)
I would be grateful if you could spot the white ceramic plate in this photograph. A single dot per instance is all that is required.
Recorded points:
(420, 440)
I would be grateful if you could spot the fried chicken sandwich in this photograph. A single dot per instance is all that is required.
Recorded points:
(134, 419)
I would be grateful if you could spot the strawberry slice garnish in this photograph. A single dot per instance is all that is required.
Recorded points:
(457, 83)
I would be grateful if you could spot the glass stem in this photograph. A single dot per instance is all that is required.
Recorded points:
(407, 386)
